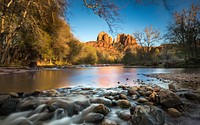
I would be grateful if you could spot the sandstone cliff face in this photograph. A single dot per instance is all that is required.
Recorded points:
(119, 45)
(102, 45)
(103, 36)
(126, 39)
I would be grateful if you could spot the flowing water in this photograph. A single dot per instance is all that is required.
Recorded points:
(99, 77)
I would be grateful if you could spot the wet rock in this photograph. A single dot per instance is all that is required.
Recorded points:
(102, 109)
(149, 88)
(172, 87)
(7, 105)
(109, 97)
(149, 103)
(57, 114)
(148, 115)
(147, 93)
(153, 96)
(133, 92)
(4, 97)
(108, 122)
(141, 92)
(94, 118)
(173, 112)
(82, 104)
(169, 99)
(110, 93)
(28, 105)
(125, 92)
(53, 93)
(13, 94)
(104, 101)
(136, 88)
(70, 107)
(156, 89)
(122, 96)
(142, 88)
(124, 104)
(124, 115)
(114, 103)
(37, 92)
(134, 97)
(192, 96)
(86, 88)
(53, 106)
(142, 100)
(116, 98)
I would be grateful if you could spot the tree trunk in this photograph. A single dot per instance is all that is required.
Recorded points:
(7, 48)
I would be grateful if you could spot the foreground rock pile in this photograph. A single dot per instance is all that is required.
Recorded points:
(124, 105)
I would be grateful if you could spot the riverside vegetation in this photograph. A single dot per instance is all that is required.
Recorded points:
(35, 31)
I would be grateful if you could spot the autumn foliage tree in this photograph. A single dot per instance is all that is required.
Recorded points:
(27, 27)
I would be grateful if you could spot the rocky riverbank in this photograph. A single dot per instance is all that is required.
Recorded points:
(180, 80)
(14, 70)
(124, 105)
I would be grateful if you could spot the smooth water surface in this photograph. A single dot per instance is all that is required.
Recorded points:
(103, 77)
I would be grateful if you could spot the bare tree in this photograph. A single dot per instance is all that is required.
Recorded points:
(147, 39)
(107, 10)
(184, 30)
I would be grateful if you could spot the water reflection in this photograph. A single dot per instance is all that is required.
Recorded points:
(90, 77)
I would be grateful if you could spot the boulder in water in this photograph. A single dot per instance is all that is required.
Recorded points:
(169, 99)
(122, 96)
(102, 109)
(7, 105)
(104, 101)
(124, 115)
(94, 118)
(142, 100)
(173, 112)
(124, 104)
(172, 87)
(148, 115)
(108, 122)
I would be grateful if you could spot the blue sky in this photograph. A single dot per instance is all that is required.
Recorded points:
(86, 25)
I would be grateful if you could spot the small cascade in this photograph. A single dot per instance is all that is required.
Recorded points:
(16, 118)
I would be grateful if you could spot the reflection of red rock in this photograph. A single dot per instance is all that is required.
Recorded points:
(104, 81)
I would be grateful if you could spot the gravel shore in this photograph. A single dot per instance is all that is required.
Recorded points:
(14, 70)
(181, 80)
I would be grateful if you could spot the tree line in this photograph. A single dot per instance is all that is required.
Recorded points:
(181, 42)
(32, 30)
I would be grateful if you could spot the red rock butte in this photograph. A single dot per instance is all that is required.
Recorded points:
(120, 44)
